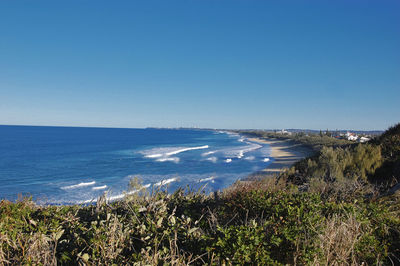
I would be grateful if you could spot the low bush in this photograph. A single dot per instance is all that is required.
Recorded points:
(245, 224)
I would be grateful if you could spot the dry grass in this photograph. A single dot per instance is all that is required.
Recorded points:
(344, 189)
(337, 241)
(41, 250)
(270, 184)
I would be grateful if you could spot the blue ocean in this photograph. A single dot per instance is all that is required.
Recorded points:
(72, 165)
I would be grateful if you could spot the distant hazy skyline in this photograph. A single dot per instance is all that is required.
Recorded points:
(217, 64)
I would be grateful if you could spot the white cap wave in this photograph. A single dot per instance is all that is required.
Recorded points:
(164, 154)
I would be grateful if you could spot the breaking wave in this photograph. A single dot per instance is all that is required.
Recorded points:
(168, 151)
(212, 159)
(239, 152)
(116, 197)
(187, 149)
(211, 178)
(163, 154)
(208, 153)
(82, 184)
(169, 159)
(165, 182)
(99, 187)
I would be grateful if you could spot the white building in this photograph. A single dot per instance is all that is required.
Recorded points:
(284, 132)
(351, 136)
(364, 139)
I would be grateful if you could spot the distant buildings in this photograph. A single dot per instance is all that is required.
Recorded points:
(354, 137)
(351, 136)
(283, 132)
(360, 137)
(364, 139)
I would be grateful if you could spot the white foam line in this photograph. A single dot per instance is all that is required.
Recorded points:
(186, 149)
(207, 179)
(82, 184)
(212, 159)
(154, 155)
(164, 182)
(117, 197)
(121, 196)
(167, 159)
(208, 153)
(99, 188)
(250, 158)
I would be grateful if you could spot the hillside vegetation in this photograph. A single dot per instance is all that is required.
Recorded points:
(316, 141)
(332, 208)
(377, 162)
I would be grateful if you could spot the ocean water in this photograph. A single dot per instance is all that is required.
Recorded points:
(71, 165)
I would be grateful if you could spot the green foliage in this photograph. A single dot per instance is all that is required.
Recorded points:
(389, 173)
(390, 142)
(336, 164)
(245, 225)
(316, 141)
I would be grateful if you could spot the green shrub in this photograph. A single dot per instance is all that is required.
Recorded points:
(250, 224)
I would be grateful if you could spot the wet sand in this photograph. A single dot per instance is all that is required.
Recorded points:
(284, 153)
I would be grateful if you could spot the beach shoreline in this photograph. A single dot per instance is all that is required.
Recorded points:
(284, 154)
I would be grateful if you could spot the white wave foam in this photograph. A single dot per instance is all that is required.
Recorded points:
(186, 149)
(169, 159)
(240, 151)
(164, 182)
(250, 158)
(208, 153)
(231, 134)
(168, 151)
(163, 154)
(211, 178)
(212, 159)
(266, 160)
(99, 187)
(116, 197)
(123, 195)
(154, 155)
(228, 160)
(82, 184)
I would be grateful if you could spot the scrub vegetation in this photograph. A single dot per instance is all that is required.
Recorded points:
(315, 141)
(339, 207)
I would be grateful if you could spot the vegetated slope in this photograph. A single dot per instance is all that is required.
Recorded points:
(316, 141)
(324, 210)
(377, 162)
(389, 142)
(264, 223)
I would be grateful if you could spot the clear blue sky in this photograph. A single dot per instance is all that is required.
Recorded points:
(220, 63)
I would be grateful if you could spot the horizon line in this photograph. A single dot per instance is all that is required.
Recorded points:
(188, 127)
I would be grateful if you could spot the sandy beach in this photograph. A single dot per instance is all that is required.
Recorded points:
(284, 153)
